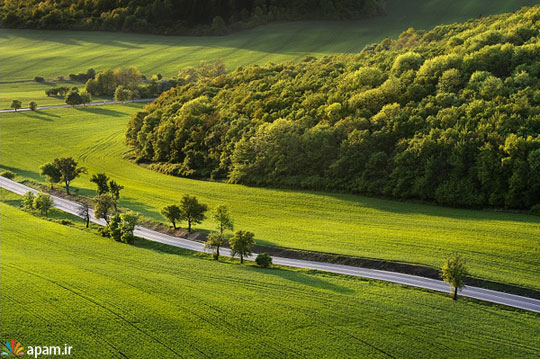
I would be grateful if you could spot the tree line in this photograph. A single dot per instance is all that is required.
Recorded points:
(121, 226)
(450, 115)
(195, 17)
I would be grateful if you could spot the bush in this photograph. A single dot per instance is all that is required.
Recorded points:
(39, 79)
(32, 105)
(263, 260)
(535, 210)
(7, 174)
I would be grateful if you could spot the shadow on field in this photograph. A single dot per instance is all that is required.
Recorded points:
(23, 173)
(101, 111)
(307, 280)
(139, 207)
(41, 115)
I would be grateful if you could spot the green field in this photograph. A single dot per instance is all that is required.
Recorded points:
(110, 300)
(502, 247)
(29, 53)
(34, 91)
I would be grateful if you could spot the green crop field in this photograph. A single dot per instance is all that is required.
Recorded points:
(29, 53)
(502, 247)
(62, 285)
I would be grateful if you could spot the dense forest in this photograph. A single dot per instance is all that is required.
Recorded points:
(175, 16)
(450, 115)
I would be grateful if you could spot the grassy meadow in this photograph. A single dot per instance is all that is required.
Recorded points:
(110, 300)
(29, 53)
(502, 247)
(34, 91)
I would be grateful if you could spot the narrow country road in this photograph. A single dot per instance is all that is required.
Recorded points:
(102, 103)
(511, 300)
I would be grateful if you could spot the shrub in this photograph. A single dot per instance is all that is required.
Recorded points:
(39, 79)
(535, 210)
(263, 260)
(7, 174)
(32, 105)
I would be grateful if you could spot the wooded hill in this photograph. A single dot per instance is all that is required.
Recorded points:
(450, 115)
(175, 16)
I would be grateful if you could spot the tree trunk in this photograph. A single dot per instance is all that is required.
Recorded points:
(67, 187)
(87, 221)
(174, 224)
(217, 252)
(455, 293)
(189, 225)
(241, 259)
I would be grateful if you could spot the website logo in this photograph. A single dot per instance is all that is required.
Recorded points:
(12, 349)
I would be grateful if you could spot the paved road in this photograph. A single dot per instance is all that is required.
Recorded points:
(90, 104)
(511, 300)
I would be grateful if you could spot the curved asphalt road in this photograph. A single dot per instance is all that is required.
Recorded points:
(511, 300)
(90, 104)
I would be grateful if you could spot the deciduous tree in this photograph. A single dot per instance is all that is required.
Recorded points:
(172, 213)
(453, 272)
(192, 211)
(241, 244)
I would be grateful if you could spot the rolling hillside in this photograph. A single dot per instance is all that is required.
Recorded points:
(111, 300)
(502, 247)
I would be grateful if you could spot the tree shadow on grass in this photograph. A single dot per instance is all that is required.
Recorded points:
(41, 115)
(310, 280)
(23, 173)
(101, 111)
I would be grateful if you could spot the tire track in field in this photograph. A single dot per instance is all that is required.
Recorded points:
(106, 309)
(100, 338)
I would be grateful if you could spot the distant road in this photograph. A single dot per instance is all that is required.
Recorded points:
(90, 104)
(510, 300)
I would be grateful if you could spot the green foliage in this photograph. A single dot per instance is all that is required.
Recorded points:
(172, 213)
(7, 174)
(175, 16)
(104, 206)
(453, 272)
(241, 244)
(28, 200)
(214, 242)
(32, 105)
(101, 181)
(51, 172)
(420, 117)
(68, 169)
(73, 98)
(171, 288)
(128, 222)
(192, 211)
(16, 104)
(223, 218)
(263, 260)
(43, 202)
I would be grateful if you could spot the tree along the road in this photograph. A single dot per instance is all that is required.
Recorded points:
(84, 212)
(121, 227)
(32, 105)
(172, 213)
(241, 244)
(16, 104)
(114, 190)
(86, 97)
(43, 202)
(28, 200)
(73, 98)
(192, 211)
(453, 272)
(263, 260)
(104, 206)
(214, 242)
(68, 169)
(101, 180)
(223, 218)
(51, 173)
